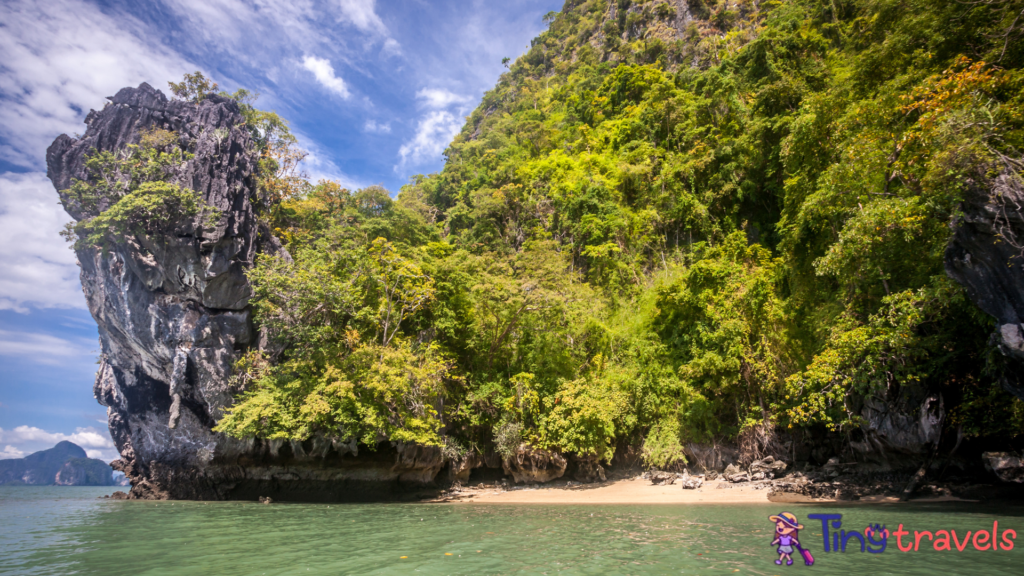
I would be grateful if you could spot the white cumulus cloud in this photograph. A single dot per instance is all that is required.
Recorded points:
(436, 127)
(324, 74)
(433, 133)
(438, 98)
(11, 452)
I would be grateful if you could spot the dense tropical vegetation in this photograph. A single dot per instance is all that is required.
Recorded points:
(658, 229)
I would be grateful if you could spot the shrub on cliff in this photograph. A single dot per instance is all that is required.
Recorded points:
(127, 193)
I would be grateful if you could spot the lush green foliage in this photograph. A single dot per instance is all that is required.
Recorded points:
(127, 193)
(651, 233)
(280, 155)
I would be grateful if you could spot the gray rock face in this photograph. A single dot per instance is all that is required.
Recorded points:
(589, 470)
(893, 430)
(767, 468)
(530, 465)
(1008, 467)
(691, 482)
(658, 477)
(711, 456)
(986, 256)
(460, 469)
(734, 473)
(173, 317)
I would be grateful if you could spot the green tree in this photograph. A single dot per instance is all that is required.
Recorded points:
(193, 87)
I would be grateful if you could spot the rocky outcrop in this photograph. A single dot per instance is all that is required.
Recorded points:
(710, 456)
(767, 468)
(172, 310)
(658, 477)
(589, 470)
(460, 469)
(986, 256)
(734, 473)
(898, 427)
(173, 315)
(1007, 467)
(691, 482)
(531, 465)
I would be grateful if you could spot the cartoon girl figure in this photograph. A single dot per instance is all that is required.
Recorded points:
(786, 536)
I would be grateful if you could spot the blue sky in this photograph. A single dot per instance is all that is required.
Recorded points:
(374, 91)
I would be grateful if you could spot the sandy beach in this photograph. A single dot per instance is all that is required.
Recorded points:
(640, 491)
(629, 491)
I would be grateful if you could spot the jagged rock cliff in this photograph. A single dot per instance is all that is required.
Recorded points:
(986, 256)
(173, 316)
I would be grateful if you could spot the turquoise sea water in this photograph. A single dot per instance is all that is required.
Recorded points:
(66, 530)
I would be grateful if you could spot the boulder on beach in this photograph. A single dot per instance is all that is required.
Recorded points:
(659, 477)
(1007, 467)
(691, 482)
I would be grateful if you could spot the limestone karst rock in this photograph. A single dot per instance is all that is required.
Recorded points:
(986, 256)
(530, 465)
(691, 482)
(1007, 467)
(589, 470)
(173, 316)
(666, 478)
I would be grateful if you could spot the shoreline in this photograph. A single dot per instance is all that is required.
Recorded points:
(640, 491)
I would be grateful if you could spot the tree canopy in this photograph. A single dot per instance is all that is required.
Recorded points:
(659, 229)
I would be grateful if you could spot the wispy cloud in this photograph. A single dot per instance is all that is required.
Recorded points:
(61, 57)
(257, 31)
(45, 348)
(363, 15)
(248, 29)
(433, 133)
(374, 127)
(438, 98)
(39, 269)
(24, 440)
(324, 74)
(318, 164)
(436, 128)
(392, 47)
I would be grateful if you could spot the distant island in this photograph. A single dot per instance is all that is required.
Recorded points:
(66, 464)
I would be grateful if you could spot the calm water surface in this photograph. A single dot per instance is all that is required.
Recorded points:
(65, 530)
